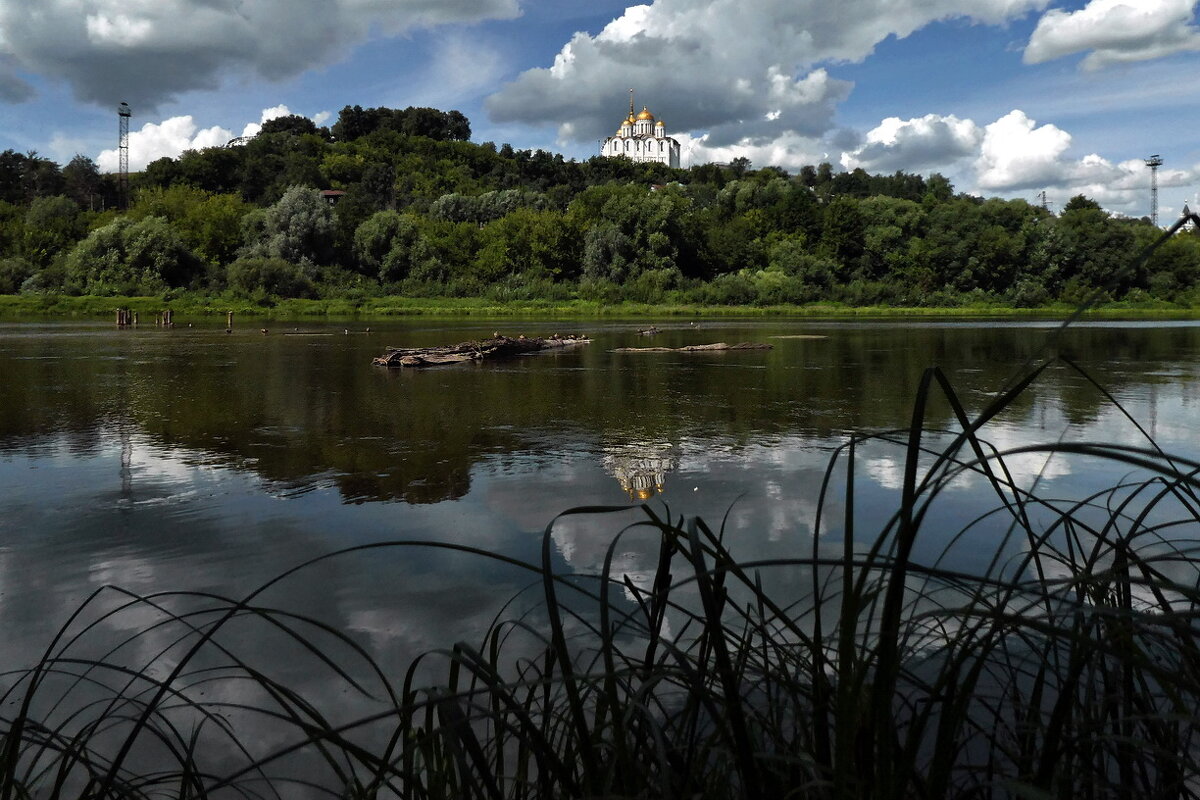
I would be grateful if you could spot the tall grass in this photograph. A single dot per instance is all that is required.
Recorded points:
(1067, 665)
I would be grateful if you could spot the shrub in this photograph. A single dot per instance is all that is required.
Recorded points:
(129, 258)
(272, 276)
(13, 273)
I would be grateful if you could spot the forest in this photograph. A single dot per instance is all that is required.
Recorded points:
(418, 210)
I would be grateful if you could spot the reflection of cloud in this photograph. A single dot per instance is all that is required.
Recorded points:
(584, 541)
(887, 469)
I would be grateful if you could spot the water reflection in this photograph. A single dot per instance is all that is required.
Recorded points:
(641, 467)
(171, 459)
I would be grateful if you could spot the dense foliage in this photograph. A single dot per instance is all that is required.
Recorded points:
(423, 212)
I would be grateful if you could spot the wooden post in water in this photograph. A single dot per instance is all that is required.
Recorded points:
(169, 321)
(229, 319)
(134, 318)
(120, 319)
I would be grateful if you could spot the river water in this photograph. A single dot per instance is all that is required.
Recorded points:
(191, 459)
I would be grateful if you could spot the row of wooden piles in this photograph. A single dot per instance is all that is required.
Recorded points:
(127, 318)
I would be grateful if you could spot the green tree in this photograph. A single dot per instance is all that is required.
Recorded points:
(127, 258)
(209, 224)
(298, 228)
(52, 226)
(82, 180)
(293, 124)
(842, 236)
(13, 273)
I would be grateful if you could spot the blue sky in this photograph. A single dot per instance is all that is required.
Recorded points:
(1007, 97)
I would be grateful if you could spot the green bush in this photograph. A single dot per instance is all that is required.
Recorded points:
(13, 273)
(132, 258)
(270, 276)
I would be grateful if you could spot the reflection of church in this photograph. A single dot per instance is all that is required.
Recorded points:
(641, 139)
(641, 467)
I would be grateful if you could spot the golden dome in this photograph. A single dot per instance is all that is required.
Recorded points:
(660, 122)
(628, 121)
(645, 114)
(644, 494)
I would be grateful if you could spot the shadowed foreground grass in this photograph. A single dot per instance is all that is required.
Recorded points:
(1067, 665)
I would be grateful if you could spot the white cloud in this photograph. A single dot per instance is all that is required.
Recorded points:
(148, 51)
(169, 138)
(1013, 156)
(166, 139)
(920, 144)
(789, 151)
(1116, 31)
(745, 72)
(1017, 154)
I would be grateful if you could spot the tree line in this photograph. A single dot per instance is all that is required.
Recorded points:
(422, 211)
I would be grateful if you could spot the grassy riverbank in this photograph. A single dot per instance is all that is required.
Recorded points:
(200, 306)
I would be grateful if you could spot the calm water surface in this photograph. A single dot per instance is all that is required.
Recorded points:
(191, 459)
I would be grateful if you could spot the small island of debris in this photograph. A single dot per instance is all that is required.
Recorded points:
(486, 349)
(695, 348)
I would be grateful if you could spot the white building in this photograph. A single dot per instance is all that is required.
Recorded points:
(641, 138)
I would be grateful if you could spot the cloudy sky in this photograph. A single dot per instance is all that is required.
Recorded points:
(1007, 97)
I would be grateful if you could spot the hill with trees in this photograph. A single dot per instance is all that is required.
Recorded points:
(425, 212)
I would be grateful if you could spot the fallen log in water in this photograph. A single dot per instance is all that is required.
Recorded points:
(496, 347)
(695, 348)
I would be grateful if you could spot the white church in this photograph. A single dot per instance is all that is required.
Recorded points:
(641, 138)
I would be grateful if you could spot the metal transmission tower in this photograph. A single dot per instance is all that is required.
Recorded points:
(1154, 162)
(123, 115)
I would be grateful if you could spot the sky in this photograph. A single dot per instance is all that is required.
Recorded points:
(1007, 98)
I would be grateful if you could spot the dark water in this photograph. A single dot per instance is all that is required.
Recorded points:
(191, 459)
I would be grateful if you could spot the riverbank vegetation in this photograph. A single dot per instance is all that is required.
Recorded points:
(1028, 644)
(392, 204)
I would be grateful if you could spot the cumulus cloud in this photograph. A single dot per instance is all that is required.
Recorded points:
(169, 138)
(789, 150)
(1116, 31)
(1010, 157)
(148, 51)
(1017, 154)
(921, 144)
(747, 72)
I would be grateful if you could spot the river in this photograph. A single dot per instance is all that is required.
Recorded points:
(191, 459)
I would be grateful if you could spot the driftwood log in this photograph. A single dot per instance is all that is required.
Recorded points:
(695, 348)
(496, 347)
